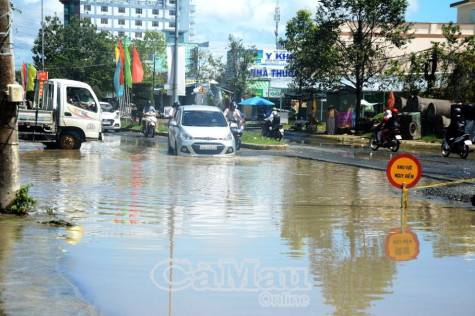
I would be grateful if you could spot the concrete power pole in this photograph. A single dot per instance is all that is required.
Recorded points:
(175, 55)
(9, 156)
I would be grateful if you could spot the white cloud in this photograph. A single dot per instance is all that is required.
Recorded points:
(26, 25)
(413, 6)
(252, 21)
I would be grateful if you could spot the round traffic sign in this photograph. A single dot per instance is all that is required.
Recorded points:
(401, 245)
(404, 168)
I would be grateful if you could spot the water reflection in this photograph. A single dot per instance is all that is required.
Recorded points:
(259, 220)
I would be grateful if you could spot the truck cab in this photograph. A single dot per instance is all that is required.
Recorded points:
(67, 114)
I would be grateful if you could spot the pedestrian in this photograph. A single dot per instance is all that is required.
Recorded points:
(331, 118)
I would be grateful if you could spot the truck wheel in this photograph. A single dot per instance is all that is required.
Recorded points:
(69, 140)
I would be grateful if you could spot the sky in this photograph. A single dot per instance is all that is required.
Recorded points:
(250, 20)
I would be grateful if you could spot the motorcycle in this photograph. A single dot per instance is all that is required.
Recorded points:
(460, 145)
(393, 140)
(150, 125)
(275, 131)
(237, 127)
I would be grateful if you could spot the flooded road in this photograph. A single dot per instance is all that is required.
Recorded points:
(156, 234)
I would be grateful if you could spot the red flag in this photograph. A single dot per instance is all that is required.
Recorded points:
(391, 100)
(24, 76)
(122, 58)
(137, 70)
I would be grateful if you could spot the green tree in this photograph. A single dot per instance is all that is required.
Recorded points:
(310, 47)
(76, 51)
(360, 33)
(152, 51)
(444, 71)
(239, 60)
(204, 66)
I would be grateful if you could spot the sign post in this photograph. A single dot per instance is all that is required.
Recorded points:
(403, 172)
(202, 91)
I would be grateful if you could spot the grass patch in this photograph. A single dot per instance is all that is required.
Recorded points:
(431, 139)
(23, 202)
(132, 126)
(255, 138)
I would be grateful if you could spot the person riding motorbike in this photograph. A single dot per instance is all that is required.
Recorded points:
(390, 125)
(272, 119)
(149, 109)
(381, 126)
(232, 112)
(456, 127)
(175, 107)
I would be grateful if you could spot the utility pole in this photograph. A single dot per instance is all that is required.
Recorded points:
(9, 156)
(175, 55)
(277, 19)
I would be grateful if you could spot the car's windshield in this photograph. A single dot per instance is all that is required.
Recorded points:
(107, 108)
(203, 118)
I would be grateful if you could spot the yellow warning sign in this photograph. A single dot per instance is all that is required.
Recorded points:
(202, 90)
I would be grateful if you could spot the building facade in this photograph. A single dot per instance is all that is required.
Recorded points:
(131, 18)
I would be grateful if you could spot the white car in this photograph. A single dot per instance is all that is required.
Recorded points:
(200, 130)
(110, 118)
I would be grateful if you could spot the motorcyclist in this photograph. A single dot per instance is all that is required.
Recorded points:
(149, 109)
(176, 106)
(391, 124)
(232, 112)
(272, 119)
(382, 125)
(457, 124)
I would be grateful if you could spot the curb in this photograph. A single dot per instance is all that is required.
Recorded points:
(351, 139)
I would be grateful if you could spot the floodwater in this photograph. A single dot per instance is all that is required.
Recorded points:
(156, 234)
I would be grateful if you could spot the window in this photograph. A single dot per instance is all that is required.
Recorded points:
(121, 22)
(154, 23)
(87, 7)
(138, 22)
(171, 1)
(121, 33)
(87, 19)
(104, 9)
(81, 98)
(155, 12)
(138, 11)
(172, 12)
(138, 34)
(121, 10)
(472, 16)
(104, 21)
(171, 25)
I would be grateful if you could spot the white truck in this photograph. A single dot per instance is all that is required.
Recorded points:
(67, 115)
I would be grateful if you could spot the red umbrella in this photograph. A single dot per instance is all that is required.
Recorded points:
(391, 100)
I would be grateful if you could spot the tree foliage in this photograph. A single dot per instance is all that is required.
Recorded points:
(351, 41)
(204, 66)
(76, 51)
(152, 49)
(445, 71)
(311, 48)
(239, 60)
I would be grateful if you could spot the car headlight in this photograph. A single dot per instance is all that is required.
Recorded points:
(186, 136)
(230, 136)
(117, 115)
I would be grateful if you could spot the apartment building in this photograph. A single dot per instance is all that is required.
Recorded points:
(131, 18)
